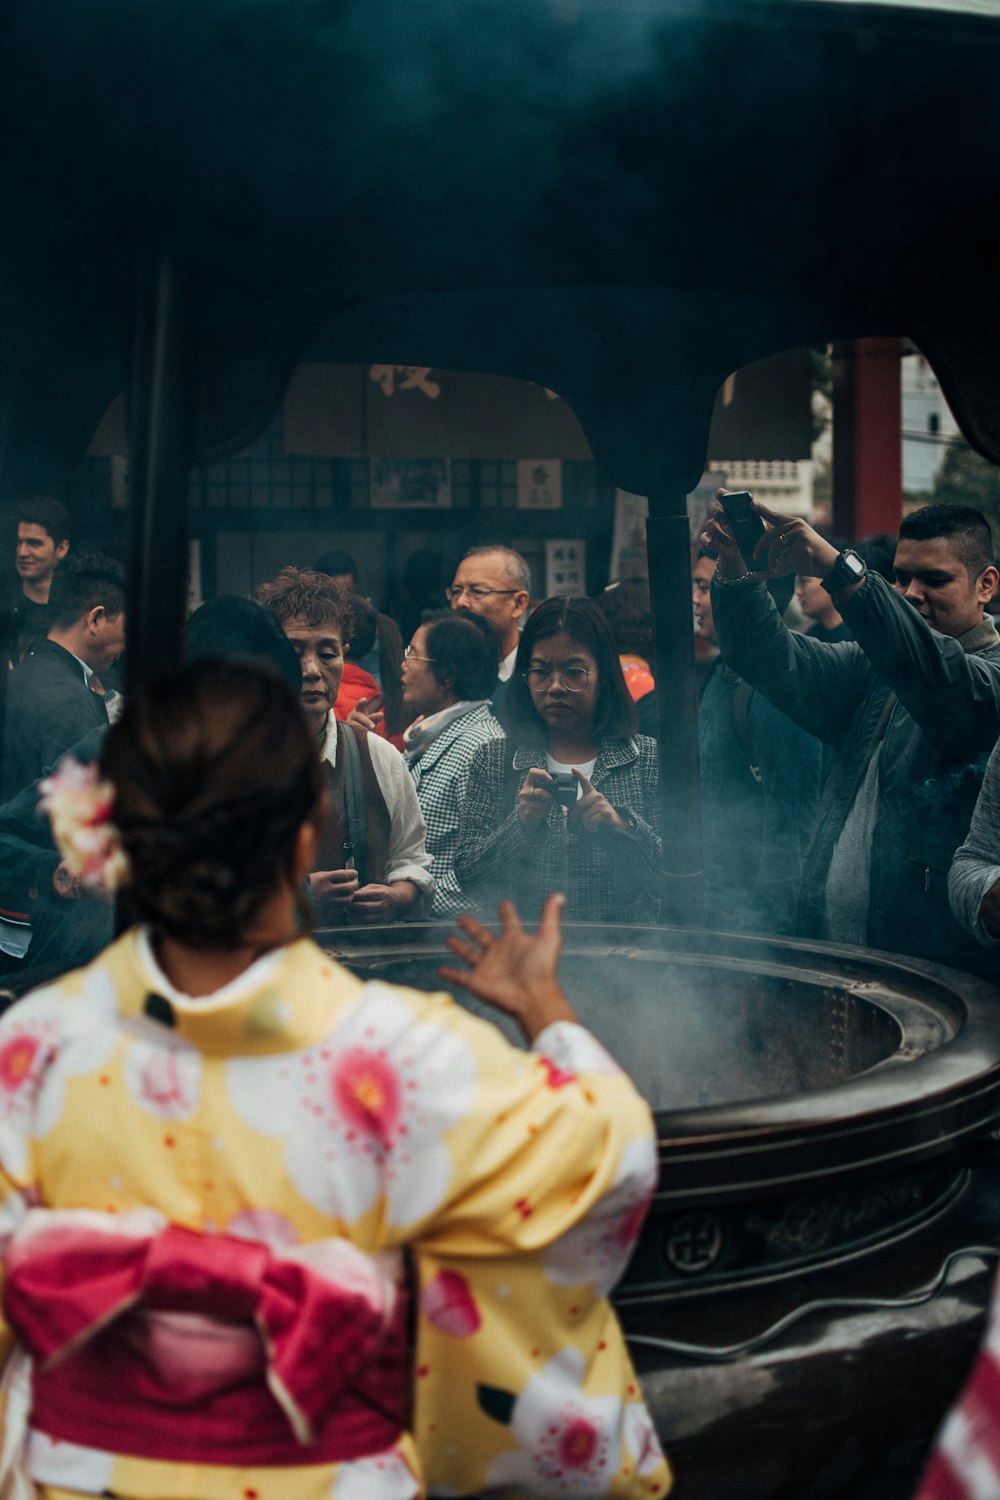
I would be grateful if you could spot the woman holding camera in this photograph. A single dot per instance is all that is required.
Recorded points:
(568, 801)
(216, 1143)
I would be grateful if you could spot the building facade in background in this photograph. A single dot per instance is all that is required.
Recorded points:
(927, 423)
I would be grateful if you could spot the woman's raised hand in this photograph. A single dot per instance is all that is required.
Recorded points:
(593, 811)
(535, 801)
(361, 718)
(515, 972)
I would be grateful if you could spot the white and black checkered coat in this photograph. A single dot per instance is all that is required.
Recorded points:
(607, 875)
(441, 777)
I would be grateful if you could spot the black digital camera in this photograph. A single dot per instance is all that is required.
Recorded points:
(746, 526)
(565, 788)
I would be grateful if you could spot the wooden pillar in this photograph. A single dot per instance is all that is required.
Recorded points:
(867, 437)
(668, 542)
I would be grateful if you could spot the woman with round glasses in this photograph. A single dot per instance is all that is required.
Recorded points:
(569, 800)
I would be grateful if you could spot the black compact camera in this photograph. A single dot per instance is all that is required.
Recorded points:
(565, 788)
(746, 526)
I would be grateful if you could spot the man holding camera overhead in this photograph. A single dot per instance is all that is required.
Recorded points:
(911, 707)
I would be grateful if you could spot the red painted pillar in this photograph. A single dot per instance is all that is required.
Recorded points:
(867, 437)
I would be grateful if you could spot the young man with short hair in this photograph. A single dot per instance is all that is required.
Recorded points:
(44, 528)
(823, 619)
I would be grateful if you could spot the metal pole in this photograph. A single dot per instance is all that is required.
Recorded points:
(668, 543)
(160, 458)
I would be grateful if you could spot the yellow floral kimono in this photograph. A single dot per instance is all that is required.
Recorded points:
(291, 1134)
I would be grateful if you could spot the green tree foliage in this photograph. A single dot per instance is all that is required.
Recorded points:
(966, 478)
(822, 389)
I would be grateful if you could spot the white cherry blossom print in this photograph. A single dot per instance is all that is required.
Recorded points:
(12, 1213)
(262, 1090)
(24, 1050)
(96, 1000)
(569, 1443)
(364, 1112)
(596, 1251)
(641, 1440)
(384, 1477)
(263, 1225)
(88, 1033)
(572, 1049)
(27, 1047)
(164, 1078)
(69, 1465)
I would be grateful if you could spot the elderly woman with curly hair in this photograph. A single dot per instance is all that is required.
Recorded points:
(372, 861)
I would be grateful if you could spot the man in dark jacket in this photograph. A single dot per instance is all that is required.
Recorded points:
(760, 786)
(42, 907)
(912, 707)
(53, 699)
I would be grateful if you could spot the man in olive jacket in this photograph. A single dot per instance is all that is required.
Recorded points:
(911, 705)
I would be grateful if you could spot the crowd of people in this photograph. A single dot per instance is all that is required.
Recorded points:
(507, 748)
(308, 1236)
(423, 750)
(272, 1193)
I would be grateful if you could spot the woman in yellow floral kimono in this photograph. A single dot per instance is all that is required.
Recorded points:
(216, 1144)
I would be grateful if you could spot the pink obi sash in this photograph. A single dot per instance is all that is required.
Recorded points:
(177, 1345)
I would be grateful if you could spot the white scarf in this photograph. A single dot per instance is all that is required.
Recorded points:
(424, 731)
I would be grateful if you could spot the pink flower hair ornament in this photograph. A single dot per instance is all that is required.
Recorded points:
(79, 807)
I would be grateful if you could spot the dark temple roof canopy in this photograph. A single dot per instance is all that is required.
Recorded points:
(624, 201)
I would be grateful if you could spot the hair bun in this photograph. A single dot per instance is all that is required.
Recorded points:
(215, 771)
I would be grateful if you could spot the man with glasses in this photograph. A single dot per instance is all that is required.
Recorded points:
(495, 582)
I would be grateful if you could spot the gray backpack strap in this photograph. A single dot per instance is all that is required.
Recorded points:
(356, 830)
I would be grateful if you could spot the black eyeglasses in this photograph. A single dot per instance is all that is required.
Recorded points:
(573, 679)
(477, 591)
